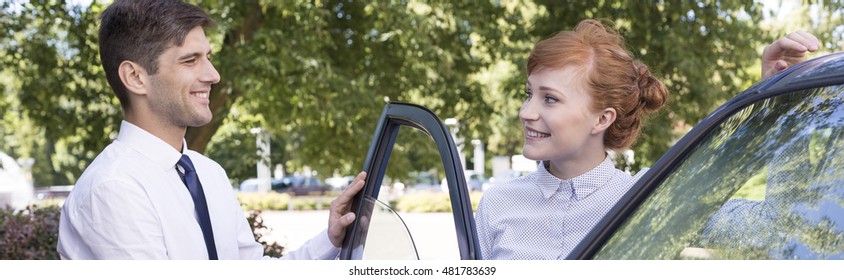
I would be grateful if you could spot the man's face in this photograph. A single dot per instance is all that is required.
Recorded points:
(180, 90)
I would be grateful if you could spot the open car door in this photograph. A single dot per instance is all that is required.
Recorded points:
(378, 232)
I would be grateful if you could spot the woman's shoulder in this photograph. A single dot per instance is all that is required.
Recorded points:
(507, 186)
(626, 179)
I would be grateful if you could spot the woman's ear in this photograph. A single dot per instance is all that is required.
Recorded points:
(133, 77)
(605, 119)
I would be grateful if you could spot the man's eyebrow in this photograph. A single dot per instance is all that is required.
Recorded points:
(192, 55)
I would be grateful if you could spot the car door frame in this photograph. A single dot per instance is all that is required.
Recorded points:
(396, 115)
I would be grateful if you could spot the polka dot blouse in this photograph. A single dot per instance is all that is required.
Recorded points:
(542, 217)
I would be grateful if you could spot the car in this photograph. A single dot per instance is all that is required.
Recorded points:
(15, 190)
(249, 185)
(424, 182)
(300, 185)
(761, 177)
(475, 181)
(339, 183)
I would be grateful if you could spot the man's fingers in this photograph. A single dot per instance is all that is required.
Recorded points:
(347, 219)
(806, 39)
(781, 65)
(353, 188)
(337, 230)
(344, 221)
(791, 43)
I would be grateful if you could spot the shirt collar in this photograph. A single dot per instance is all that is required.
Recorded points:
(148, 145)
(579, 187)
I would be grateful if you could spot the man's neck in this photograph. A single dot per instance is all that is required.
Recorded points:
(170, 134)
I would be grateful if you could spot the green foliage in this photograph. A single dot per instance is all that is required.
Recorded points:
(318, 74)
(283, 201)
(426, 202)
(29, 234)
(263, 201)
(63, 107)
(412, 202)
(33, 233)
(258, 230)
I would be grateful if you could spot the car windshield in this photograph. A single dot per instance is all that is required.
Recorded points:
(767, 183)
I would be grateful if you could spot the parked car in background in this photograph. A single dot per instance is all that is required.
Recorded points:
(300, 185)
(474, 181)
(249, 185)
(762, 177)
(339, 183)
(424, 182)
(15, 190)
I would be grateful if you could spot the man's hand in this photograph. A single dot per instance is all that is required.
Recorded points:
(340, 217)
(787, 51)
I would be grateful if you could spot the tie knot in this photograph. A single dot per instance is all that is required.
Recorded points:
(186, 164)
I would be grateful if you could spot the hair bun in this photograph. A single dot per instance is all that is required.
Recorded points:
(652, 93)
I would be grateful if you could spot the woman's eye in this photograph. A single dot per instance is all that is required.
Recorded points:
(549, 99)
(528, 94)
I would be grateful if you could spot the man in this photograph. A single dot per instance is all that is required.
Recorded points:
(147, 196)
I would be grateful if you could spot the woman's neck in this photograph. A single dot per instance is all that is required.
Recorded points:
(568, 169)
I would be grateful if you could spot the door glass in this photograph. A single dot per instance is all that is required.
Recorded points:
(768, 183)
(387, 238)
(411, 196)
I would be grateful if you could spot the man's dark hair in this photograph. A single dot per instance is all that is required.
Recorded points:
(140, 31)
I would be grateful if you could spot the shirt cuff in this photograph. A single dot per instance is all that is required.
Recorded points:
(321, 247)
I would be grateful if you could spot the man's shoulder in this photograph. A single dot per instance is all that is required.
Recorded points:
(115, 162)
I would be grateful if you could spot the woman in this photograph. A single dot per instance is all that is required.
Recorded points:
(585, 94)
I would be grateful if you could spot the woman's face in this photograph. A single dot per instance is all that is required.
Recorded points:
(557, 116)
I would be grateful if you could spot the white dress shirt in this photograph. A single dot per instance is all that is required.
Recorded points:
(542, 217)
(130, 203)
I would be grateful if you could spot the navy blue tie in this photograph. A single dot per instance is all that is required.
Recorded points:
(191, 180)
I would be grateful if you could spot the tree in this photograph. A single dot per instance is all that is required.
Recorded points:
(319, 74)
(61, 111)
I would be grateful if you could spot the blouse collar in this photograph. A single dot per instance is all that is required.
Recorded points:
(579, 187)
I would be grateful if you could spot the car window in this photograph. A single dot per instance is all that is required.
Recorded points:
(411, 142)
(768, 183)
(422, 213)
(387, 237)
